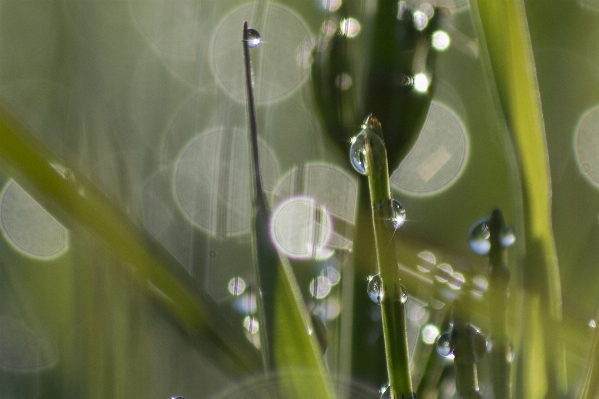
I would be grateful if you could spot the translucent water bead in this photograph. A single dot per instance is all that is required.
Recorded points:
(479, 237)
(444, 346)
(375, 289)
(357, 151)
(385, 392)
(253, 38)
(396, 215)
(403, 294)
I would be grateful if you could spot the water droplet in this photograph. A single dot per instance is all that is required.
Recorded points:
(375, 289)
(320, 287)
(479, 237)
(237, 286)
(420, 20)
(385, 392)
(251, 324)
(177, 397)
(403, 294)
(421, 82)
(253, 38)
(396, 215)
(357, 153)
(443, 345)
(592, 323)
(508, 238)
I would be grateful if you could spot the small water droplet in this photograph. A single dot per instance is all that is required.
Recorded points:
(592, 324)
(479, 237)
(253, 38)
(236, 286)
(508, 238)
(251, 324)
(403, 294)
(420, 20)
(357, 153)
(443, 345)
(385, 392)
(375, 289)
(430, 332)
(396, 215)
(177, 397)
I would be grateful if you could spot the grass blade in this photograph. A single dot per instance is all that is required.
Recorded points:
(393, 294)
(287, 335)
(503, 25)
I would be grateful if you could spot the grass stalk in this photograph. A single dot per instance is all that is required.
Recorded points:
(288, 338)
(393, 302)
(499, 279)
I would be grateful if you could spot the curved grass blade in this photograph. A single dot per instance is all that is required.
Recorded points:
(77, 201)
(287, 335)
(393, 294)
(503, 25)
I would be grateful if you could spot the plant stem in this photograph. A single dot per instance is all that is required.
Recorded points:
(393, 307)
(499, 279)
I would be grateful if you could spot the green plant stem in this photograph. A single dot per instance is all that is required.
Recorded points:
(465, 358)
(497, 296)
(393, 308)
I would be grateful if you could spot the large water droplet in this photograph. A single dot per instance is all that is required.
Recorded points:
(253, 38)
(375, 289)
(357, 153)
(396, 215)
(508, 238)
(443, 345)
(479, 237)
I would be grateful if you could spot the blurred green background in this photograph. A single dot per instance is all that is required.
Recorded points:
(142, 101)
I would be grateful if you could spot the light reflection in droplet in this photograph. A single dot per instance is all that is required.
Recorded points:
(253, 38)
(444, 272)
(429, 261)
(350, 27)
(237, 286)
(421, 82)
(456, 281)
(320, 287)
(251, 324)
(592, 323)
(441, 40)
(420, 20)
(430, 332)
(301, 228)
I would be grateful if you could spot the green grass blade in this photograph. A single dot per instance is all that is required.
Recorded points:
(78, 201)
(504, 27)
(288, 338)
(393, 304)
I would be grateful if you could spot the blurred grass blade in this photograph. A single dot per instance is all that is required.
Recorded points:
(393, 302)
(30, 163)
(499, 279)
(504, 27)
(288, 338)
